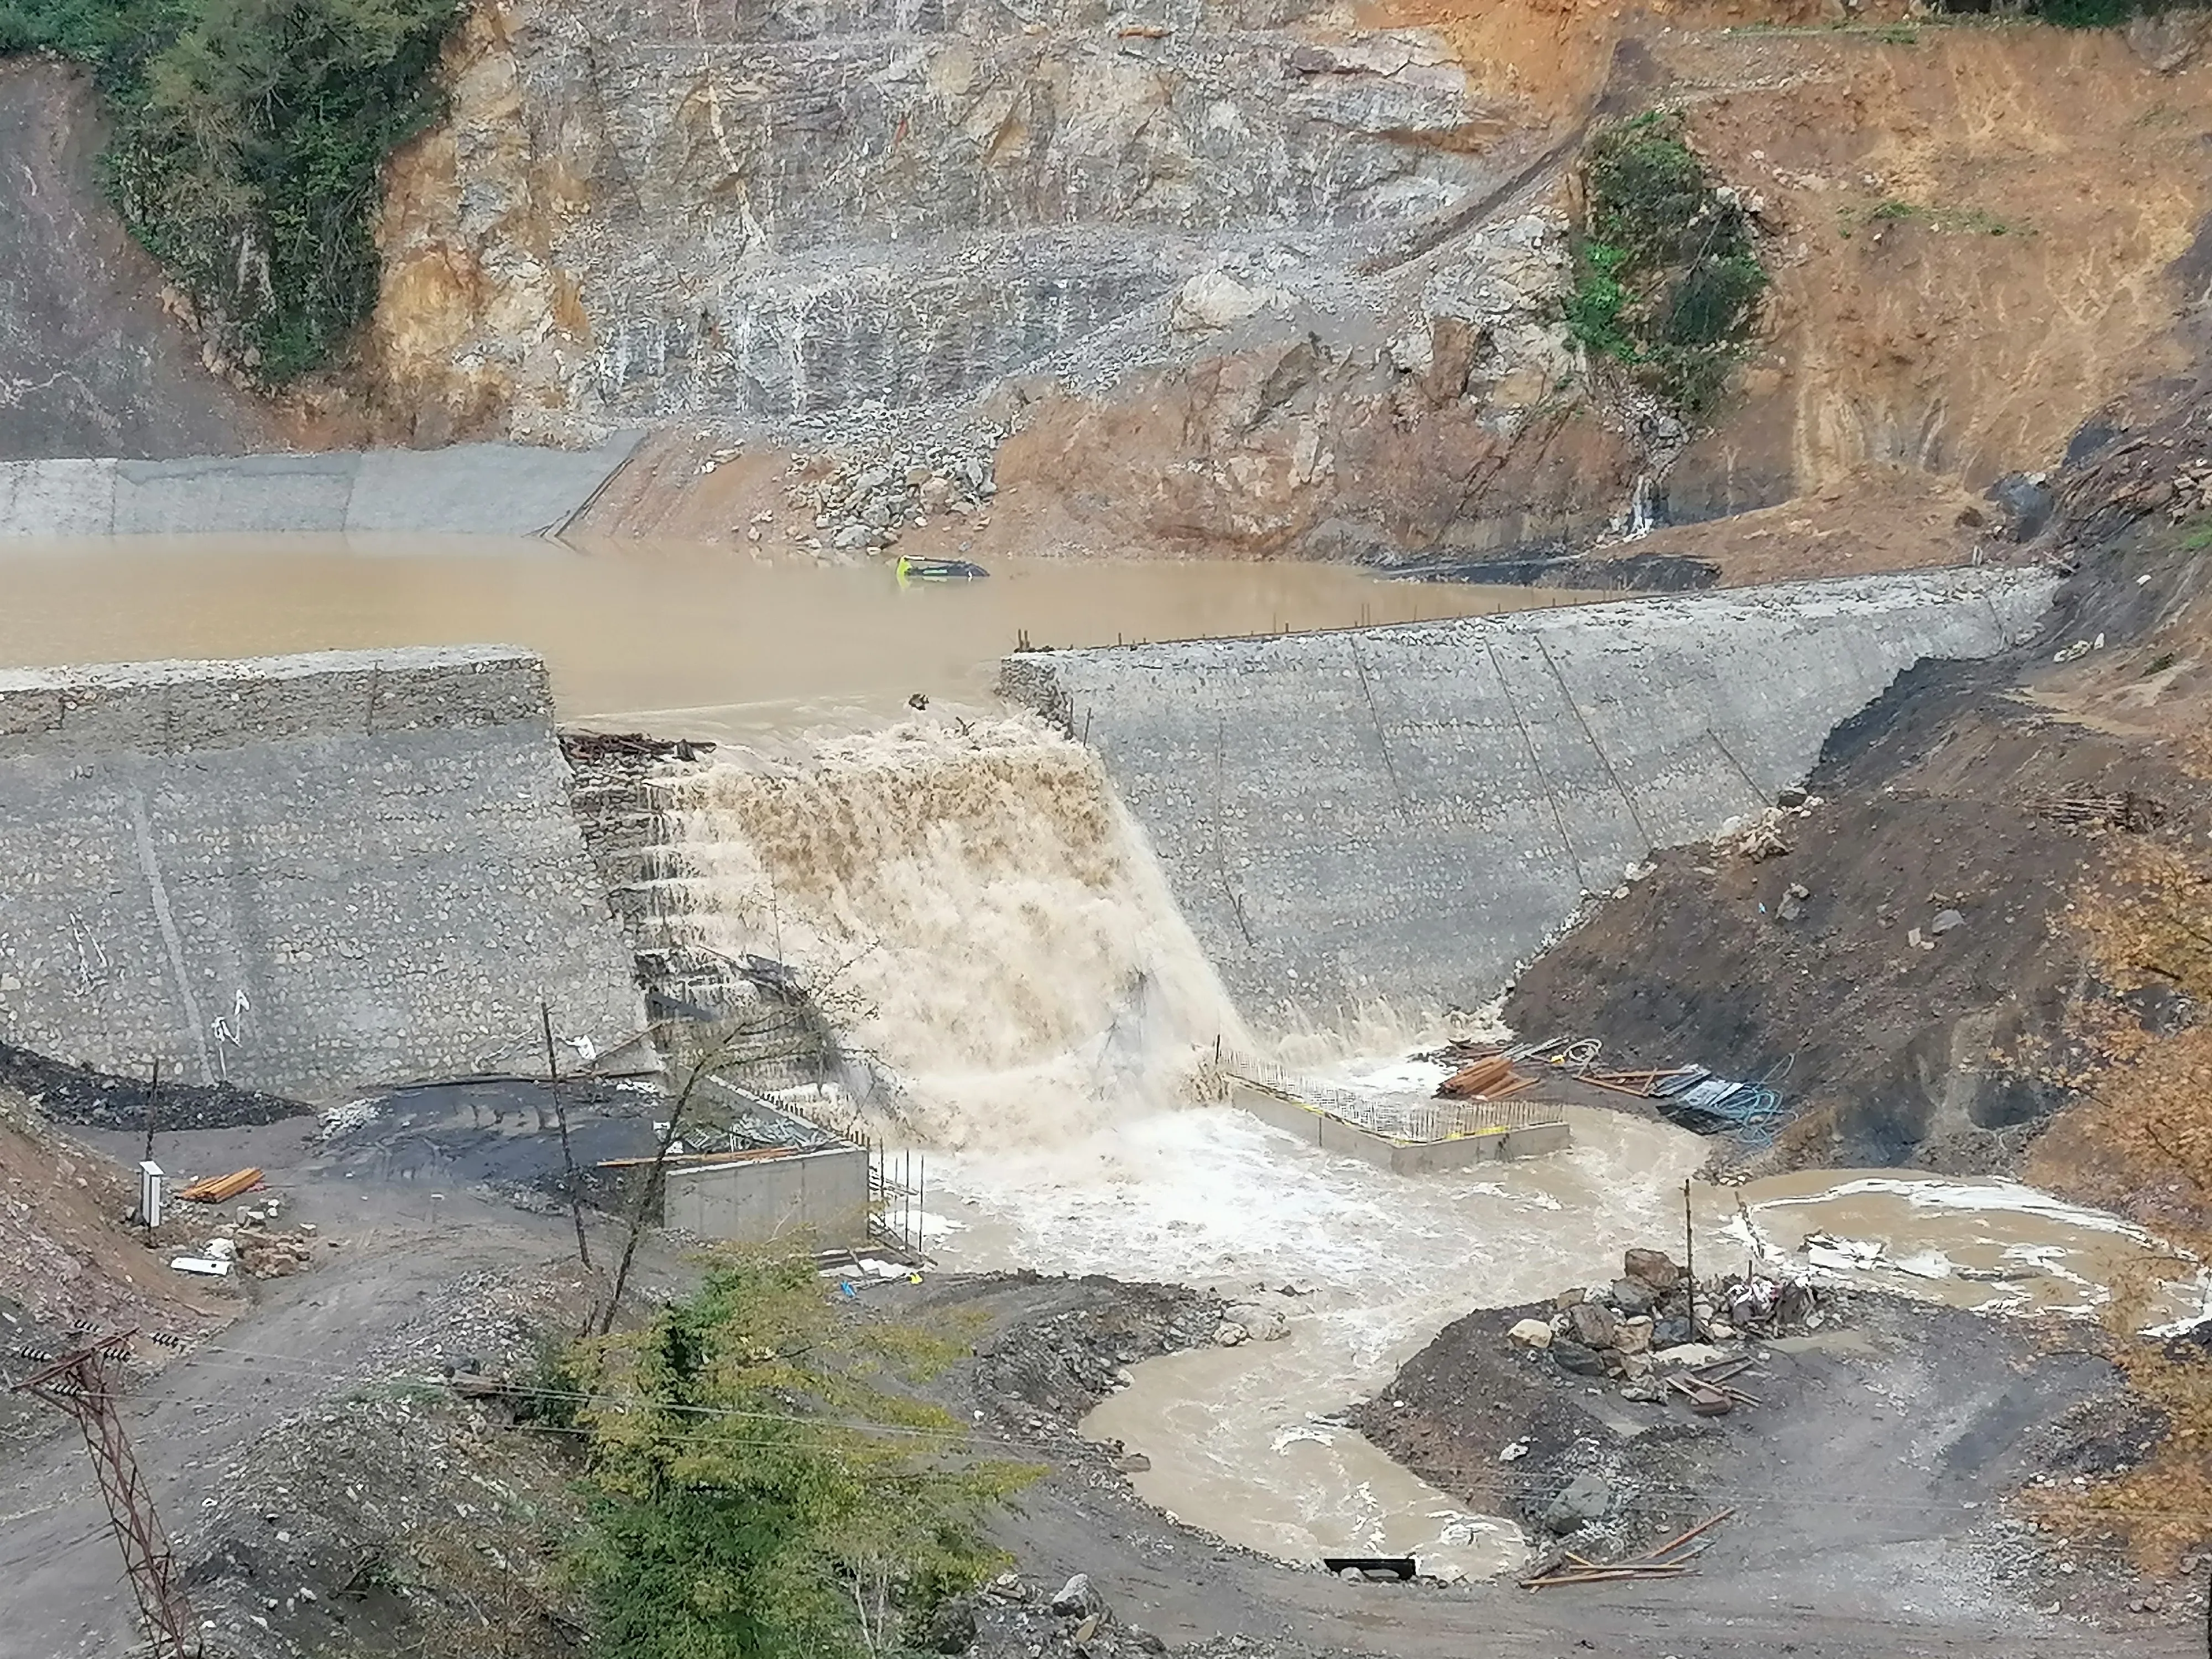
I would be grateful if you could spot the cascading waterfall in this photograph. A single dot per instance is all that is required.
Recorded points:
(976, 907)
(1643, 507)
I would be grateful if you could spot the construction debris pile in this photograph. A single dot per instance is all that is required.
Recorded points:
(1488, 1074)
(1691, 1095)
(1672, 1559)
(247, 1239)
(1659, 1335)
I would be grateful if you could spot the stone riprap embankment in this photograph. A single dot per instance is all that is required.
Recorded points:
(1406, 814)
(300, 874)
(511, 490)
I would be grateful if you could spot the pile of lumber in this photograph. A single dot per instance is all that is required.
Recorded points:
(1490, 1078)
(221, 1190)
(1661, 1563)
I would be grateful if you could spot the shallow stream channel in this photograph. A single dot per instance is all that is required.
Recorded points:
(1248, 1442)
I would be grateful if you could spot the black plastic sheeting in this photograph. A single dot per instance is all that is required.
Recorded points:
(101, 1100)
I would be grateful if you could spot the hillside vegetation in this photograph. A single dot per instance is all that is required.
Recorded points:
(246, 147)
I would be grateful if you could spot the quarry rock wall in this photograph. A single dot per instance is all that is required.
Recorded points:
(1405, 815)
(302, 874)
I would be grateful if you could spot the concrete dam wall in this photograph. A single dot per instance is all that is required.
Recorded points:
(302, 874)
(1405, 815)
(482, 490)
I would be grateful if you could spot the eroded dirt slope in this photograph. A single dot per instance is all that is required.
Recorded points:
(1993, 793)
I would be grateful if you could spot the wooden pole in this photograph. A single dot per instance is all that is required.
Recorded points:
(1689, 1249)
(152, 1090)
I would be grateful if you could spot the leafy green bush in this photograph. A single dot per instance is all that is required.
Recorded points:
(2070, 13)
(755, 1493)
(1668, 279)
(247, 140)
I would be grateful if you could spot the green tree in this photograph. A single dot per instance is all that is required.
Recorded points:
(759, 1487)
(247, 139)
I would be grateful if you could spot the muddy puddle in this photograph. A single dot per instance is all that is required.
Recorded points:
(687, 638)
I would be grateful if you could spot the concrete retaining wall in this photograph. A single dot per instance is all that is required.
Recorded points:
(305, 874)
(469, 489)
(1333, 1135)
(821, 1197)
(1406, 814)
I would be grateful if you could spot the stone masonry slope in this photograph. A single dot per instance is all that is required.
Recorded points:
(1405, 815)
(301, 874)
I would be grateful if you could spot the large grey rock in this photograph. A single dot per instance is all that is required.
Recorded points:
(1585, 1499)
(1079, 1598)
(1571, 1356)
(1592, 1324)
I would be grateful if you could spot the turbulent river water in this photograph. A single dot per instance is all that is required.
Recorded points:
(993, 926)
(1003, 940)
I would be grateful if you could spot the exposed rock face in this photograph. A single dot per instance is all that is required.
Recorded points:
(790, 210)
(1262, 277)
(1427, 417)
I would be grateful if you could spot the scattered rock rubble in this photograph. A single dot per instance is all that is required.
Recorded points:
(397, 1503)
(1657, 1334)
(868, 508)
(1765, 834)
(1018, 1618)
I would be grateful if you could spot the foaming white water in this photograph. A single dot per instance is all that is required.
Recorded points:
(981, 911)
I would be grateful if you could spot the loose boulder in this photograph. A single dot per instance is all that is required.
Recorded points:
(1078, 1599)
(1530, 1334)
(1570, 1355)
(1214, 299)
(1261, 1324)
(1592, 1324)
(1653, 1268)
(1586, 1499)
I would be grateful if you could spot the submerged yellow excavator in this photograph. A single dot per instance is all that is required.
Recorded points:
(937, 570)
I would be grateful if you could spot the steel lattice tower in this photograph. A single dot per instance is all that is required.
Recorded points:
(82, 1384)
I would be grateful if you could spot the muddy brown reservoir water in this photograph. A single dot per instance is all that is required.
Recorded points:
(686, 638)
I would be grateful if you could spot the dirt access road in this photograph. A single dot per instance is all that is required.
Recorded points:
(401, 1230)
